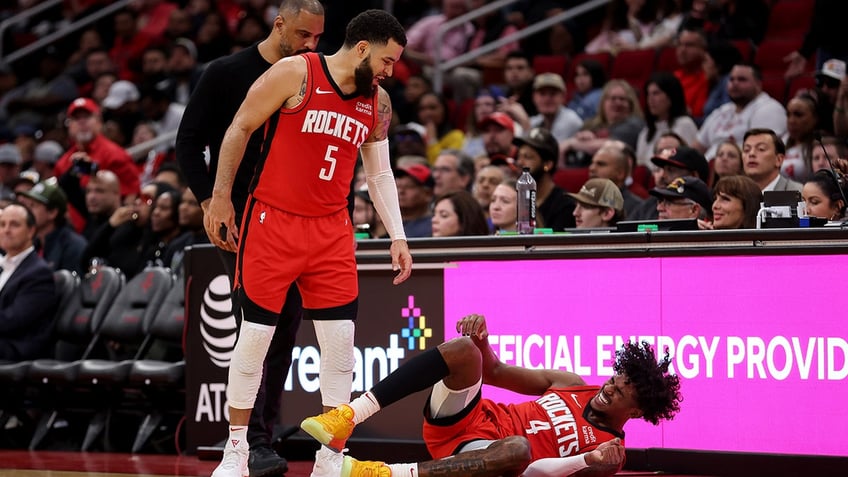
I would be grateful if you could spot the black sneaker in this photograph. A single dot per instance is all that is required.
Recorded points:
(264, 462)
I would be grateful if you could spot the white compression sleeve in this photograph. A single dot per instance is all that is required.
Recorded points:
(245, 373)
(556, 466)
(381, 186)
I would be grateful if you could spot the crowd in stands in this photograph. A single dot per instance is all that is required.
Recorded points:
(698, 127)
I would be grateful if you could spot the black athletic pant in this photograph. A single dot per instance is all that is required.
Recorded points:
(266, 409)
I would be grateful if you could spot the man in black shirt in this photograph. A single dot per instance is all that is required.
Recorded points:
(212, 106)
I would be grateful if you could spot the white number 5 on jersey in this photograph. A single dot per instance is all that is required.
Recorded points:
(326, 174)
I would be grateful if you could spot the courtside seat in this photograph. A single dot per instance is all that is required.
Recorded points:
(125, 328)
(76, 338)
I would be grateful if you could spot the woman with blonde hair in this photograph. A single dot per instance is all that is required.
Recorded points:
(619, 117)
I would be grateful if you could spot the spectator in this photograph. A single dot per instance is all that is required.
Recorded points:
(763, 153)
(128, 46)
(619, 117)
(61, 247)
(599, 204)
(824, 37)
(153, 16)
(97, 63)
(718, 62)
(625, 24)
(102, 198)
(44, 158)
(28, 295)
(750, 107)
(666, 111)
(549, 97)
(485, 182)
(441, 134)
(672, 163)
(612, 162)
(122, 105)
(158, 106)
(415, 194)
(488, 28)
(518, 78)
(802, 123)
(10, 166)
(421, 47)
(830, 147)
(829, 77)
(165, 224)
(365, 216)
(737, 201)
(503, 208)
(37, 100)
(406, 108)
(409, 140)
(538, 151)
(484, 105)
(727, 161)
(691, 51)
(213, 38)
(154, 66)
(457, 213)
(183, 69)
(669, 18)
(589, 80)
(127, 241)
(452, 171)
(171, 174)
(90, 147)
(686, 197)
(498, 131)
(824, 196)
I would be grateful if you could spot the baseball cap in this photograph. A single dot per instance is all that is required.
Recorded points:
(686, 187)
(549, 80)
(9, 154)
(48, 151)
(26, 176)
(832, 68)
(501, 119)
(188, 46)
(121, 93)
(415, 128)
(418, 172)
(542, 141)
(600, 192)
(85, 104)
(48, 194)
(683, 157)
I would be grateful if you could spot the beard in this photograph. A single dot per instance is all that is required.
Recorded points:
(363, 77)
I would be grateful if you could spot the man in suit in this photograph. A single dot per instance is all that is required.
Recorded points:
(27, 291)
(762, 155)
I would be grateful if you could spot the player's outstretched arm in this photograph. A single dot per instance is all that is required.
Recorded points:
(382, 188)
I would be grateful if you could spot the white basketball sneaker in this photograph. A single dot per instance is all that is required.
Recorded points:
(327, 463)
(234, 462)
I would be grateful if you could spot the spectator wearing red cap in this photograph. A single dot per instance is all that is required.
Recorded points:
(415, 193)
(91, 151)
(498, 131)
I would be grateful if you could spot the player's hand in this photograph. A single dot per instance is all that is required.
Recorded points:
(220, 224)
(474, 326)
(401, 260)
(608, 453)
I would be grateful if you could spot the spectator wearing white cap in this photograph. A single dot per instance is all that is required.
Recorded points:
(183, 69)
(122, 105)
(44, 158)
(829, 77)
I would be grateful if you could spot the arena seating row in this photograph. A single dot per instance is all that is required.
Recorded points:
(118, 350)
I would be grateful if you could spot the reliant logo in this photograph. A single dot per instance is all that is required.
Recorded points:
(416, 330)
(217, 323)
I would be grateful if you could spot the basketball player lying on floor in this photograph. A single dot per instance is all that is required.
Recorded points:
(570, 429)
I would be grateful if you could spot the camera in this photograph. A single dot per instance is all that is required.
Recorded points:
(85, 167)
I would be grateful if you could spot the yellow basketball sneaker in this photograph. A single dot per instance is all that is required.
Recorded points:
(331, 428)
(364, 468)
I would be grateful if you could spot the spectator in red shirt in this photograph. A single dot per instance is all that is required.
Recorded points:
(91, 151)
(691, 50)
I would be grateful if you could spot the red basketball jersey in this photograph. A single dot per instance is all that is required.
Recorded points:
(310, 151)
(556, 424)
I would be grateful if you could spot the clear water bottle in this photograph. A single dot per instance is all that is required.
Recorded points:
(526, 216)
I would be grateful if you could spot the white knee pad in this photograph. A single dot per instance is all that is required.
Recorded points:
(245, 374)
(335, 337)
(447, 402)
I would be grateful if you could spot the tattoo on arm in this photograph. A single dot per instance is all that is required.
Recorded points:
(298, 98)
(384, 116)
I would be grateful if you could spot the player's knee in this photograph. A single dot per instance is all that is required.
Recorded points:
(460, 353)
(336, 341)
